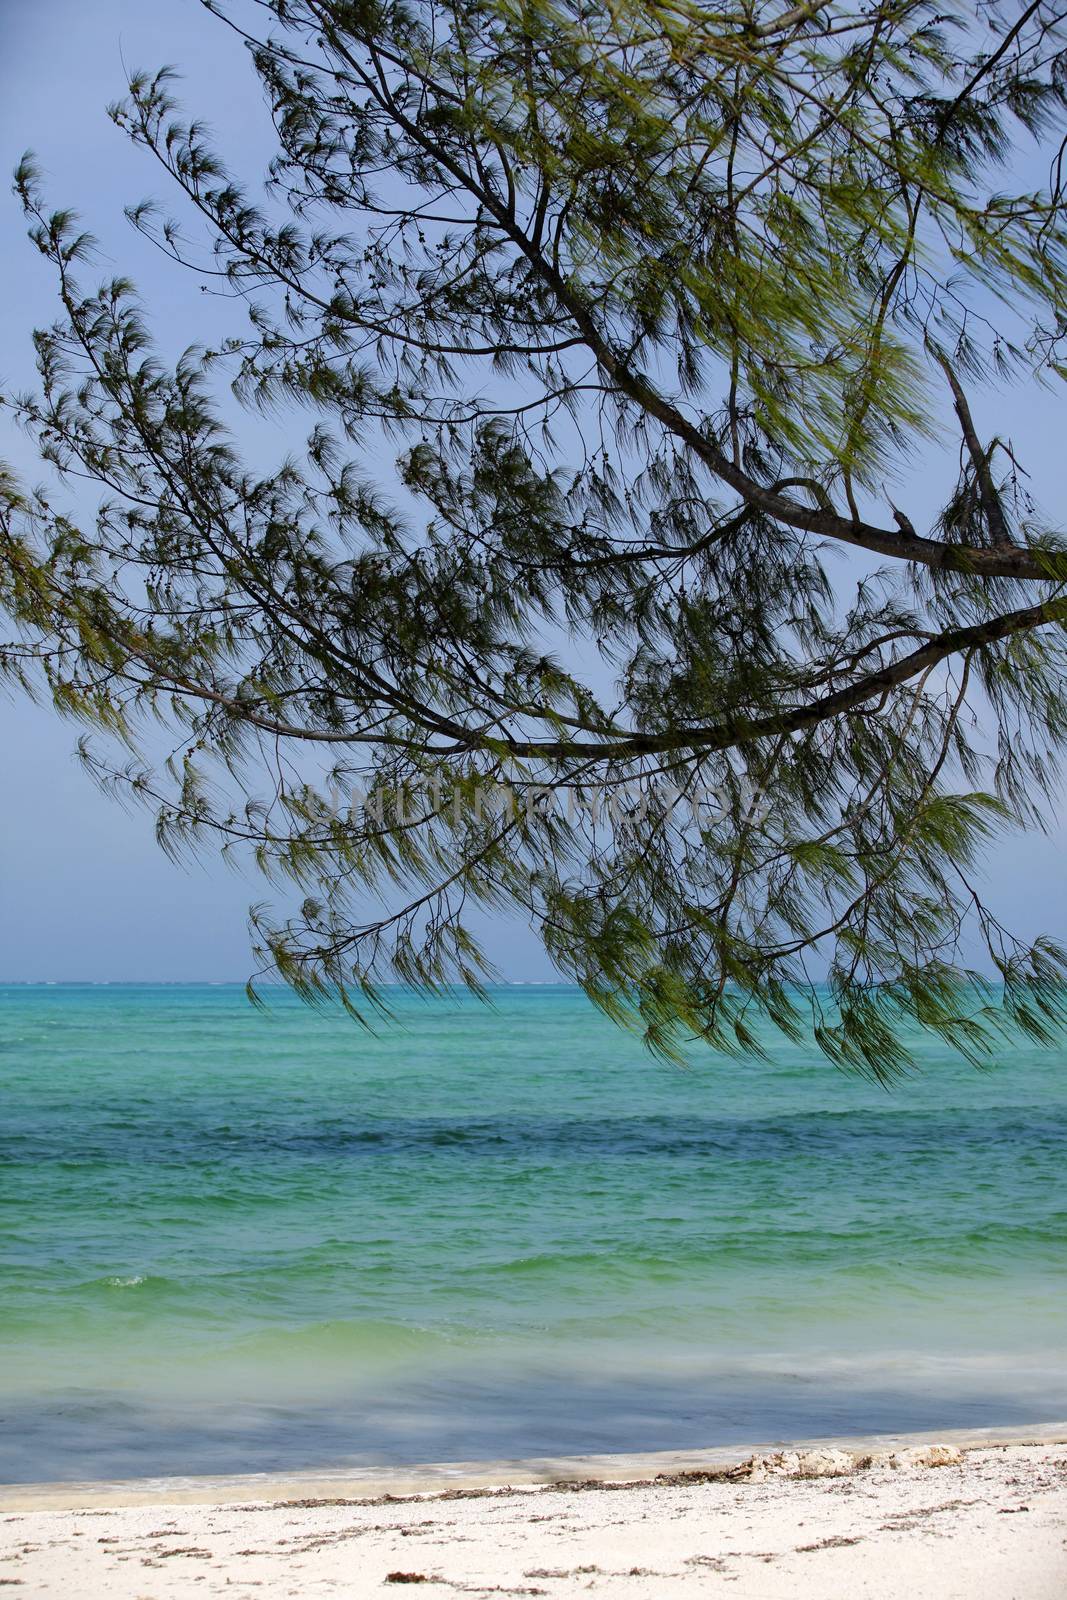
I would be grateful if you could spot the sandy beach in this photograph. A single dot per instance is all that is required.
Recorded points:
(978, 1519)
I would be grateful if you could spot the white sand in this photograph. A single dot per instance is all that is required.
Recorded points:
(993, 1526)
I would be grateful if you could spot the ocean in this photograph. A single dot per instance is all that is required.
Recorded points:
(236, 1240)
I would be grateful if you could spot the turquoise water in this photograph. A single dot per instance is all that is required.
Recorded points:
(234, 1240)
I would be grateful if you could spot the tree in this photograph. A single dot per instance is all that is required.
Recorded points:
(618, 324)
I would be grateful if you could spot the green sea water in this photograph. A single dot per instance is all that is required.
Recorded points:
(236, 1240)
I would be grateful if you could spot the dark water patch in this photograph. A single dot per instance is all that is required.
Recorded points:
(845, 1136)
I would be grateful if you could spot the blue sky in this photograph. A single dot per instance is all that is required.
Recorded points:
(84, 890)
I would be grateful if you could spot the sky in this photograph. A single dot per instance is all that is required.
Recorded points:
(85, 892)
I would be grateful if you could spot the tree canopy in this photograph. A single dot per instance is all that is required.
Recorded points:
(617, 343)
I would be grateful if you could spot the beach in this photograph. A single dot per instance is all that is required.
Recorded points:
(990, 1523)
(260, 1264)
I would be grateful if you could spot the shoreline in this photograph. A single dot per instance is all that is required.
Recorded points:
(437, 1479)
(985, 1517)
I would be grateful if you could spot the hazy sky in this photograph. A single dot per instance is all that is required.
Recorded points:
(85, 893)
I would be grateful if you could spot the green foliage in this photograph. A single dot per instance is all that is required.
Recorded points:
(611, 321)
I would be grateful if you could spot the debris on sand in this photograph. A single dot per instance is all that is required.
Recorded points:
(830, 1463)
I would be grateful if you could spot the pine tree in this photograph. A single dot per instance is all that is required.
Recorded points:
(619, 330)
